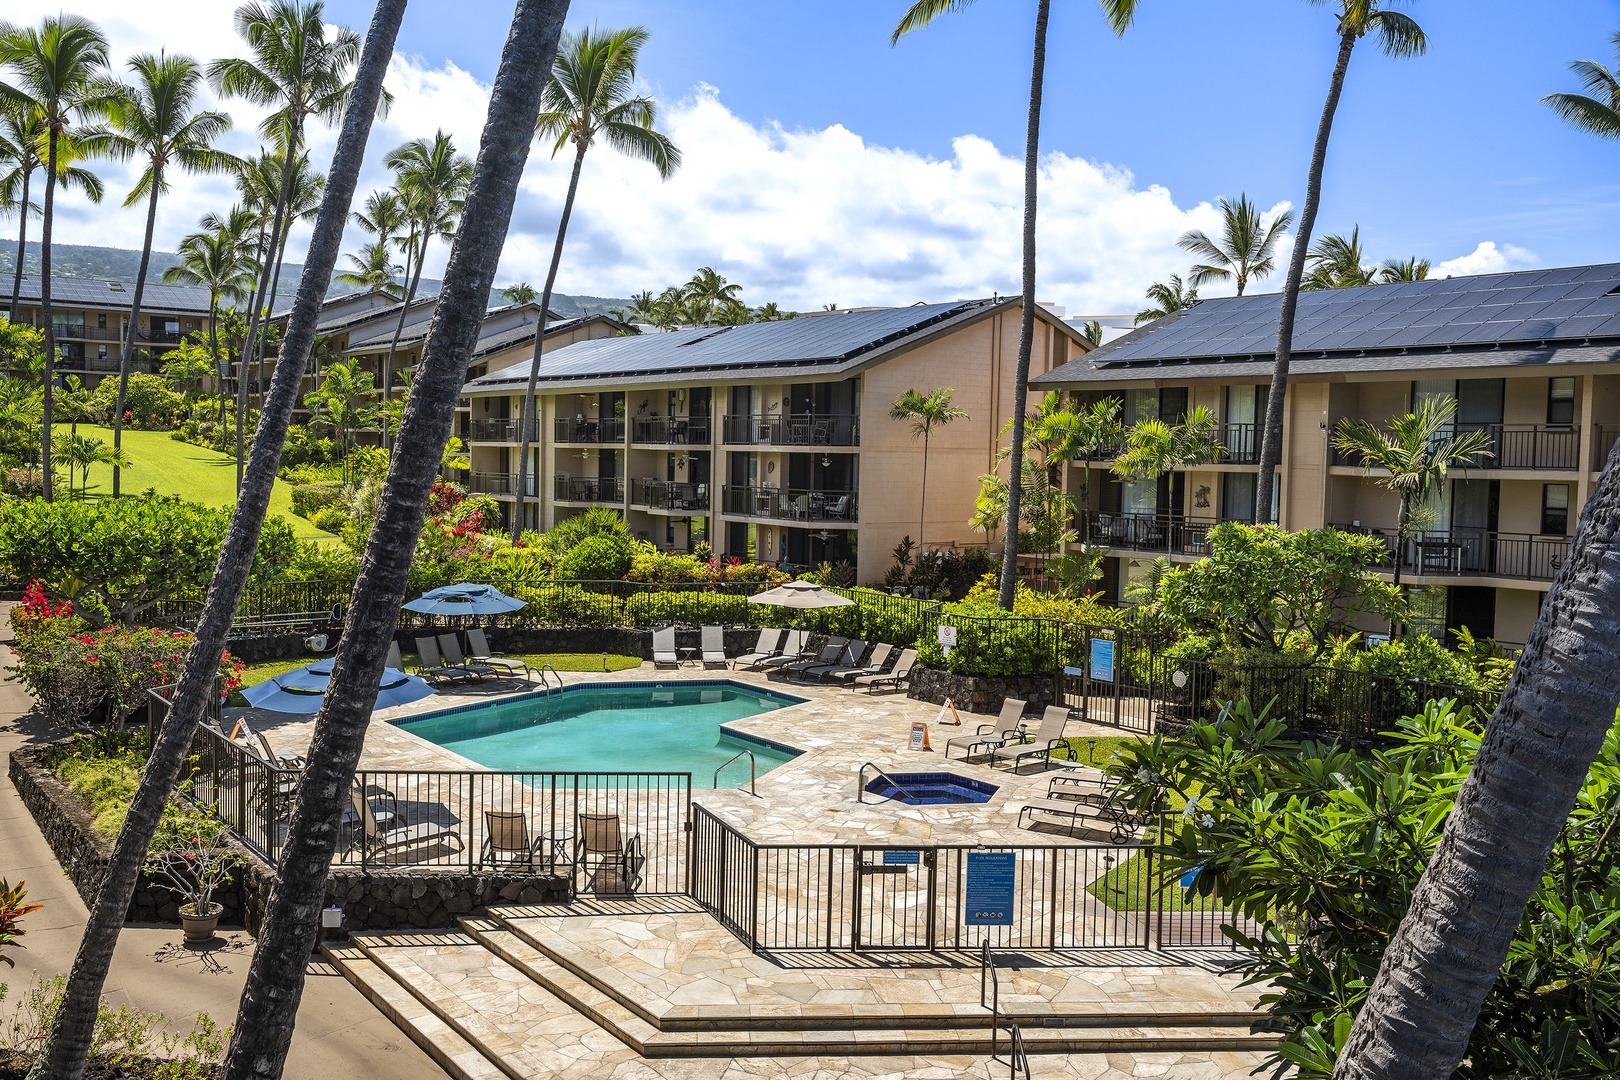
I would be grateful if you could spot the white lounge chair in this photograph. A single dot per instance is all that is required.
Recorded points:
(768, 645)
(901, 673)
(1008, 727)
(874, 665)
(664, 654)
(714, 647)
(1048, 738)
(478, 652)
(796, 648)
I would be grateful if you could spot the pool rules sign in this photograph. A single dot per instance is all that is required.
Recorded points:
(988, 895)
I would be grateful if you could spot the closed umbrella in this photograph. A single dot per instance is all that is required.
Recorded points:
(302, 690)
(466, 598)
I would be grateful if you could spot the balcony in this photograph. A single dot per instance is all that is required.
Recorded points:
(672, 431)
(588, 432)
(1242, 442)
(492, 483)
(1163, 533)
(81, 332)
(1465, 552)
(790, 504)
(792, 429)
(1553, 448)
(502, 431)
(587, 490)
(668, 495)
(1603, 440)
(160, 337)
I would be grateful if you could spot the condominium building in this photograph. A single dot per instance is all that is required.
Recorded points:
(1531, 358)
(770, 441)
(91, 321)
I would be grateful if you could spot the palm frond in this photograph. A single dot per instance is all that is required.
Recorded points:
(920, 14)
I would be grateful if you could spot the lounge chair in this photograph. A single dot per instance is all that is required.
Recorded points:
(478, 652)
(874, 665)
(831, 650)
(506, 838)
(900, 675)
(450, 648)
(1008, 727)
(714, 647)
(796, 648)
(853, 655)
(664, 654)
(611, 862)
(435, 670)
(279, 758)
(768, 645)
(379, 841)
(1047, 739)
(394, 660)
(1111, 809)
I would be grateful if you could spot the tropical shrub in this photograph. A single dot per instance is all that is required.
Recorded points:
(304, 450)
(990, 643)
(24, 483)
(566, 605)
(104, 771)
(12, 908)
(330, 519)
(691, 607)
(148, 402)
(124, 1041)
(602, 557)
(191, 854)
(325, 561)
(308, 499)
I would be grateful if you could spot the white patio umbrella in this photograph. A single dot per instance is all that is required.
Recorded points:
(804, 595)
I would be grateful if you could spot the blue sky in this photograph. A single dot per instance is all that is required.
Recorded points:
(1431, 156)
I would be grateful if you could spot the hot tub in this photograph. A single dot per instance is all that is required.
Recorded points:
(930, 788)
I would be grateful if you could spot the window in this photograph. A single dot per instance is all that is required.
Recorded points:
(101, 322)
(101, 352)
(1561, 401)
(1555, 509)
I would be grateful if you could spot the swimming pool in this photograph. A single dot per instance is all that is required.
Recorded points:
(613, 727)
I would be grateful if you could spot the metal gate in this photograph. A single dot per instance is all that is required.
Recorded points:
(893, 899)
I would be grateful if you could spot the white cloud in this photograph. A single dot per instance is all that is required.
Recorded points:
(1487, 258)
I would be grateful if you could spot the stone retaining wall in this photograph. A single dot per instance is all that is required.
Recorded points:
(979, 694)
(386, 899)
(257, 650)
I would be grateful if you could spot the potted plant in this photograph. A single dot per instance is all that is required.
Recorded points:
(191, 856)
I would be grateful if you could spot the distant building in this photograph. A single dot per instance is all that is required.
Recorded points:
(91, 319)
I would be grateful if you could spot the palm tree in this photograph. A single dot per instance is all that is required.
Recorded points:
(217, 260)
(372, 270)
(1598, 110)
(155, 119)
(1246, 249)
(925, 412)
(83, 452)
(265, 1021)
(75, 402)
(1152, 448)
(382, 215)
(1337, 262)
(342, 402)
(69, 1042)
(57, 68)
(23, 127)
(1399, 36)
(1084, 435)
(590, 95)
(1394, 271)
(297, 72)
(1167, 299)
(520, 293)
(1416, 455)
(431, 180)
(919, 15)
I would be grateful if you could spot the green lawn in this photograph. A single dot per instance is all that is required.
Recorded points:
(258, 673)
(176, 468)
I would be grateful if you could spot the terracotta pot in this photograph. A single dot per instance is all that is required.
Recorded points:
(200, 927)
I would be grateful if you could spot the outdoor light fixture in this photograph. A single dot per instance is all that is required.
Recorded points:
(826, 461)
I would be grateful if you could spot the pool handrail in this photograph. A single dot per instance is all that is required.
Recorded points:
(753, 767)
(546, 685)
(860, 781)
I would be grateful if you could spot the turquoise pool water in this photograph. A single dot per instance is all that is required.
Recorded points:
(618, 727)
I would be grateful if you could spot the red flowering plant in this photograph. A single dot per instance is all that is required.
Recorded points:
(191, 855)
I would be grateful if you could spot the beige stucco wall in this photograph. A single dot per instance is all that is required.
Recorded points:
(1516, 611)
(1305, 449)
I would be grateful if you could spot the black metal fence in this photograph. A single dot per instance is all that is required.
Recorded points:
(891, 897)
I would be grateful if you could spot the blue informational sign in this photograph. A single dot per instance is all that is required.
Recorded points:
(902, 858)
(1102, 659)
(988, 896)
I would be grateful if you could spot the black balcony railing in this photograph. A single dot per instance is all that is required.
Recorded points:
(672, 431)
(160, 337)
(82, 332)
(1466, 552)
(1242, 443)
(669, 495)
(792, 429)
(1167, 533)
(579, 429)
(1603, 440)
(790, 504)
(502, 430)
(1511, 446)
(492, 483)
(587, 489)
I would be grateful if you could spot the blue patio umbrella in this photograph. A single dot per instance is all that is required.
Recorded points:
(465, 599)
(302, 690)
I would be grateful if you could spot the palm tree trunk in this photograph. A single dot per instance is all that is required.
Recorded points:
(127, 359)
(1271, 438)
(275, 980)
(415, 278)
(270, 305)
(256, 318)
(45, 314)
(213, 348)
(69, 1043)
(1026, 331)
(22, 246)
(539, 347)
(922, 510)
(1536, 752)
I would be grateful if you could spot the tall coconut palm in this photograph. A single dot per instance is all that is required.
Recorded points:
(1153, 448)
(920, 14)
(1394, 271)
(1398, 35)
(1598, 110)
(1085, 435)
(220, 260)
(64, 1055)
(22, 140)
(56, 71)
(925, 412)
(298, 73)
(1246, 248)
(373, 270)
(1167, 298)
(154, 118)
(1338, 262)
(265, 1021)
(382, 215)
(431, 180)
(520, 293)
(589, 96)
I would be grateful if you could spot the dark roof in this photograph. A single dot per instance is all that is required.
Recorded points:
(1566, 315)
(97, 293)
(820, 344)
